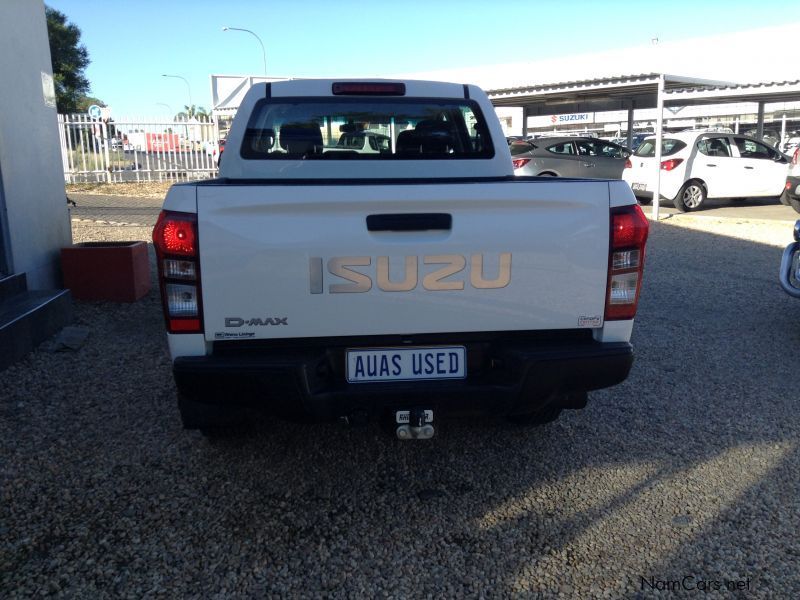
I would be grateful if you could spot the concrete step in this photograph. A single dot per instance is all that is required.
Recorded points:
(28, 318)
(12, 285)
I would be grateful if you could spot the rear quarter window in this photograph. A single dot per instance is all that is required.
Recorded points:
(669, 146)
(521, 148)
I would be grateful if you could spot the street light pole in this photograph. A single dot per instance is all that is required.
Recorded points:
(188, 87)
(169, 108)
(263, 52)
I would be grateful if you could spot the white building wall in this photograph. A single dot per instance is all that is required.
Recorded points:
(35, 220)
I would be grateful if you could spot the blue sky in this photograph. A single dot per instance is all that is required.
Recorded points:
(131, 44)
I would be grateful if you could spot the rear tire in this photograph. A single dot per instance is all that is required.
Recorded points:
(644, 201)
(691, 196)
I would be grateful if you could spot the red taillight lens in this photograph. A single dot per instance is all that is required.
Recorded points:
(670, 164)
(520, 162)
(796, 156)
(175, 234)
(175, 240)
(629, 229)
(628, 163)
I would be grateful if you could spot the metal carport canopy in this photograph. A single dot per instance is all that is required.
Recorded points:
(623, 92)
(651, 90)
(609, 93)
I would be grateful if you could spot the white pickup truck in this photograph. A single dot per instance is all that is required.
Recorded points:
(406, 286)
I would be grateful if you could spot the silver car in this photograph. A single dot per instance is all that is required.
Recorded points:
(569, 157)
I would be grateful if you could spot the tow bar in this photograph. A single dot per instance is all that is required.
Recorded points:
(414, 424)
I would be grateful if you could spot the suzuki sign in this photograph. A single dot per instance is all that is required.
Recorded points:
(561, 120)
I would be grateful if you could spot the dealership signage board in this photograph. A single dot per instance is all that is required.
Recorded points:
(561, 120)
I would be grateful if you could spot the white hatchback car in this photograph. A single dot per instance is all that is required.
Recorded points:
(696, 165)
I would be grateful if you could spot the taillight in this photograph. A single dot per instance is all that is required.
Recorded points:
(628, 163)
(629, 228)
(368, 88)
(670, 164)
(175, 241)
(796, 156)
(520, 162)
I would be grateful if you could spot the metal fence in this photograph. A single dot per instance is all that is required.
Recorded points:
(125, 150)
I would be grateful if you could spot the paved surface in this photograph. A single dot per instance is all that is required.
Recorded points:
(688, 474)
(128, 210)
(750, 208)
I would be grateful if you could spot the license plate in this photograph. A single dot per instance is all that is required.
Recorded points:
(406, 364)
(639, 187)
(404, 416)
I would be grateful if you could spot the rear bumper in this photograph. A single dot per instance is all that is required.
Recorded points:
(517, 374)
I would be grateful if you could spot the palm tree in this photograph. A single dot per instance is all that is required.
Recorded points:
(192, 112)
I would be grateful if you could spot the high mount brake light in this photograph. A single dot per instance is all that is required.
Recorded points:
(520, 162)
(175, 241)
(670, 164)
(629, 229)
(368, 89)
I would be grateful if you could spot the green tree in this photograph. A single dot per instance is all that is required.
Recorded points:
(84, 102)
(69, 58)
(189, 112)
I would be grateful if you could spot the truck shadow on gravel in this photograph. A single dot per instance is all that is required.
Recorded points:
(689, 468)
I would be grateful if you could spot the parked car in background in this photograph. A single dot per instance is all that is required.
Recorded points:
(771, 137)
(791, 191)
(699, 165)
(215, 150)
(569, 157)
(790, 265)
(637, 140)
(790, 145)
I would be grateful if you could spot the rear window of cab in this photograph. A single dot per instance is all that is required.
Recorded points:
(336, 129)
(669, 146)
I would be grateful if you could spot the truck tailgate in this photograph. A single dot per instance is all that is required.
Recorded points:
(527, 255)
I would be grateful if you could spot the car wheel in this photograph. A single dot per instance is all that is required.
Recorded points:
(691, 196)
(547, 175)
(794, 203)
(644, 201)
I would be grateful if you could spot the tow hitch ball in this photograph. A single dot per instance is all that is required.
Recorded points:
(415, 424)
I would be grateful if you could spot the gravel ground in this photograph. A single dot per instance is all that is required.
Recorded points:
(688, 469)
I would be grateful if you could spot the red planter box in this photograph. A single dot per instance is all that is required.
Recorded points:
(114, 271)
